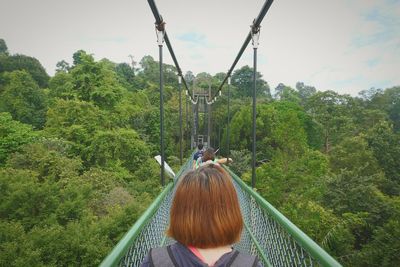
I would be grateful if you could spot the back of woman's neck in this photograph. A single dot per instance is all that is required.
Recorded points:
(212, 255)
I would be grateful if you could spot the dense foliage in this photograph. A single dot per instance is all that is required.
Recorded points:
(76, 167)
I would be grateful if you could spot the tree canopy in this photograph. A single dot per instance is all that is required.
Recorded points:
(77, 148)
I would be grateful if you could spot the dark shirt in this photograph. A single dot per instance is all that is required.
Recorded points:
(197, 155)
(185, 258)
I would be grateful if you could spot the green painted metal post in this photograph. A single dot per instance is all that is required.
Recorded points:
(228, 133)
(180, 119)
(160, 40)
(255, 33)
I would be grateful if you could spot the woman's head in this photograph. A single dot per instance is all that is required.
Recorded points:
(208, 154)
(205, 212)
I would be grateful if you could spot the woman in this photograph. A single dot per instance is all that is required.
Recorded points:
(209, 157)
(205, 220)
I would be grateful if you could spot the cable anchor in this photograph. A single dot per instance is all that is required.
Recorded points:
(160, 32)
(255, 35)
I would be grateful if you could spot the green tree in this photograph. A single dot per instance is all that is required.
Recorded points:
(17, 249)
(333, 113)
(353, 154)
(62, 66)
(75, 121)
(242, 79)
(78, 57)
(24, 63)
(274, 134)
(3, 47)
(150, 72)
(26, 199)
(13, 134)
(241, 161)
(384, 144)
(189, 77)
(126, 76)
(383, 249)
(287, 93)
(96, 81)
(23, 99)
(305, 91)
(49, 161)
(384, 100)
(61, 85)
(350, 191)
(120, 145)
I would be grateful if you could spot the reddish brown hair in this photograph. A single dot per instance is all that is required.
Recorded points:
(208, 154)
(205, 212)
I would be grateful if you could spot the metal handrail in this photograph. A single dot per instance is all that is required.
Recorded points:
(301, 238)
(258, 213)
(124, 244)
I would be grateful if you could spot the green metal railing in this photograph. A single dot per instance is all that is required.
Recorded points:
(148, 231)
(267, 233)
(270, 235)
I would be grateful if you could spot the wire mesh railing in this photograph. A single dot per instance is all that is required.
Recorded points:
(267, 233)
(271, 236)
(148, 232)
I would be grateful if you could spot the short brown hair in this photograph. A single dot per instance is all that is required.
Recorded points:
(205, 212)
(209, 154)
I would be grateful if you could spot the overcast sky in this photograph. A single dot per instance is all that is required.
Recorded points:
(341, 45)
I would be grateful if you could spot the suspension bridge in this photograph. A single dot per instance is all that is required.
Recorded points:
(267, 232)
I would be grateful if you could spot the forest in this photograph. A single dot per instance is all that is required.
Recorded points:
(77, 167)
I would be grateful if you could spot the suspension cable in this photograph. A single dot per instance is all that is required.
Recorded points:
(162, 36)
(256, 24)
(159, 20)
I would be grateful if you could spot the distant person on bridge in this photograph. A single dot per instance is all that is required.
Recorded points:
(205, 220)
(198, 154)
(208, 157)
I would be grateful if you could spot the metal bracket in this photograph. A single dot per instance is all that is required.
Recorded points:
(193, 101)
(255, 35)
(160, 31)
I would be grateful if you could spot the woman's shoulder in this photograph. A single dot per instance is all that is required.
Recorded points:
(238, 258)
(181, 256)
(184, 257)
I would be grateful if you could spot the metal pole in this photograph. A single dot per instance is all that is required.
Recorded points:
(209, 126)
(229, 120)
(255, 34)
(160, 40)
(205, 126)
(192, 138)
(187, 120)
(180, 119)
(196, 125)
(219, 136)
